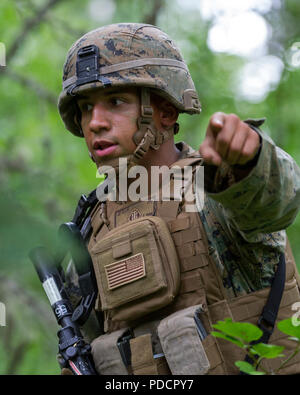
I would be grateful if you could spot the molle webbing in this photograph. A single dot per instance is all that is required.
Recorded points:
(142, 361)
(201, 281)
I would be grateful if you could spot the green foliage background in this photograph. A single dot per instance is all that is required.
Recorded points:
(44, 169)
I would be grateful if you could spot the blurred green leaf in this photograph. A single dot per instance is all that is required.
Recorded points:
(248, 368)
(287, 326)
(241, 330)
(268, 351)
(228, 338)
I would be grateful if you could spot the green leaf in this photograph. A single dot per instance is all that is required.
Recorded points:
(247, 368)
(229, 338)
(242, 330)
(267, 350)
(289, 327)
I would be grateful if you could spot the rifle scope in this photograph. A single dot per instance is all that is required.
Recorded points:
(75, 352)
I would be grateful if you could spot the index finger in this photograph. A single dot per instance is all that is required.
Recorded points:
(217, 121)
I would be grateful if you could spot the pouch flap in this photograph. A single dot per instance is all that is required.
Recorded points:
(121, 246)
(106, 354)
(181, 343)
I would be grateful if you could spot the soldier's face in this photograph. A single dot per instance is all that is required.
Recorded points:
(109, 121)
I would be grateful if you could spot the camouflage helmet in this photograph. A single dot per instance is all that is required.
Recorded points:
(125, 54)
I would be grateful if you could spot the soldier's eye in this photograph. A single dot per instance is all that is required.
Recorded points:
(85, 107)
(116, 101)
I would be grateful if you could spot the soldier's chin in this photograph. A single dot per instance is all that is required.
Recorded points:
(119, 165)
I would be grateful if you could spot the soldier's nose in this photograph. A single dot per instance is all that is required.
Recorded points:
(100, 119)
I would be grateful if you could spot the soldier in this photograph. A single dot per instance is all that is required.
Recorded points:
(157, 263)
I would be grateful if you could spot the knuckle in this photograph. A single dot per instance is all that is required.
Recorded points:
(234, 149)
(246, 128)
(233, 117)
(222, 140)
(247, 154)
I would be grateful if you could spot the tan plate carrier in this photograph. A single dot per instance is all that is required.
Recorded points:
(186, 278)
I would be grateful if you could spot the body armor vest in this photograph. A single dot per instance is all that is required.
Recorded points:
(199, 283)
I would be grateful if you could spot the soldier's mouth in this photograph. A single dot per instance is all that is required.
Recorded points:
(104, 147)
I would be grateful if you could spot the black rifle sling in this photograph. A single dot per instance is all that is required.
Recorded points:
(266, 321)
(81, 217)
(76, 234)
(270, 311)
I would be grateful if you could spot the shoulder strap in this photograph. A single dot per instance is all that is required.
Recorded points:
(82, 217)
(266, 321)
(268, 317)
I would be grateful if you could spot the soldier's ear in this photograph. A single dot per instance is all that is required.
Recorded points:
(168, 113)
(164, 110)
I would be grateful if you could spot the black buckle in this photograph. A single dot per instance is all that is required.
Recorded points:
(83, 310)
(266, 327)
(87, 64)
(80, 211)
(124, 346)
(87, 67)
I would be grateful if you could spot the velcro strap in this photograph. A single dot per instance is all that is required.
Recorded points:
(142, 361)
(97, 222)
(190, 283)
(168, 210)
(179, 224)
(186, 250)
(212, 351)
(200, 247)
(186, 236)
(121, 247)
(194, 262)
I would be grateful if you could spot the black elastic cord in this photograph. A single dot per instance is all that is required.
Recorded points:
(266, 321)
(270, 311)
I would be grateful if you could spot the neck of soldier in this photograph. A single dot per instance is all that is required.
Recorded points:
(166, 155)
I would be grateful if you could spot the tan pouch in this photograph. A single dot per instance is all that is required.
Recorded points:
(181, 343)
(137, 269)
(106, 355)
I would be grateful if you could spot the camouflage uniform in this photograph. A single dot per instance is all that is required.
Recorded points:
(250, 218)
(243, 217)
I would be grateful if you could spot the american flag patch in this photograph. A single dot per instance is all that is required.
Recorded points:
(125, 271)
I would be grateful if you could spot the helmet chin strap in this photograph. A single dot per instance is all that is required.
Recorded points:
(148, 136)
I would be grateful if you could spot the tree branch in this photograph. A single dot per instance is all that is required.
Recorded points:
(151, 18)
(32, 85)
(18, 354)
(39, 307)
(29, 25)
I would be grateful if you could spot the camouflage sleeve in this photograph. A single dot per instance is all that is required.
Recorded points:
(267, 199)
